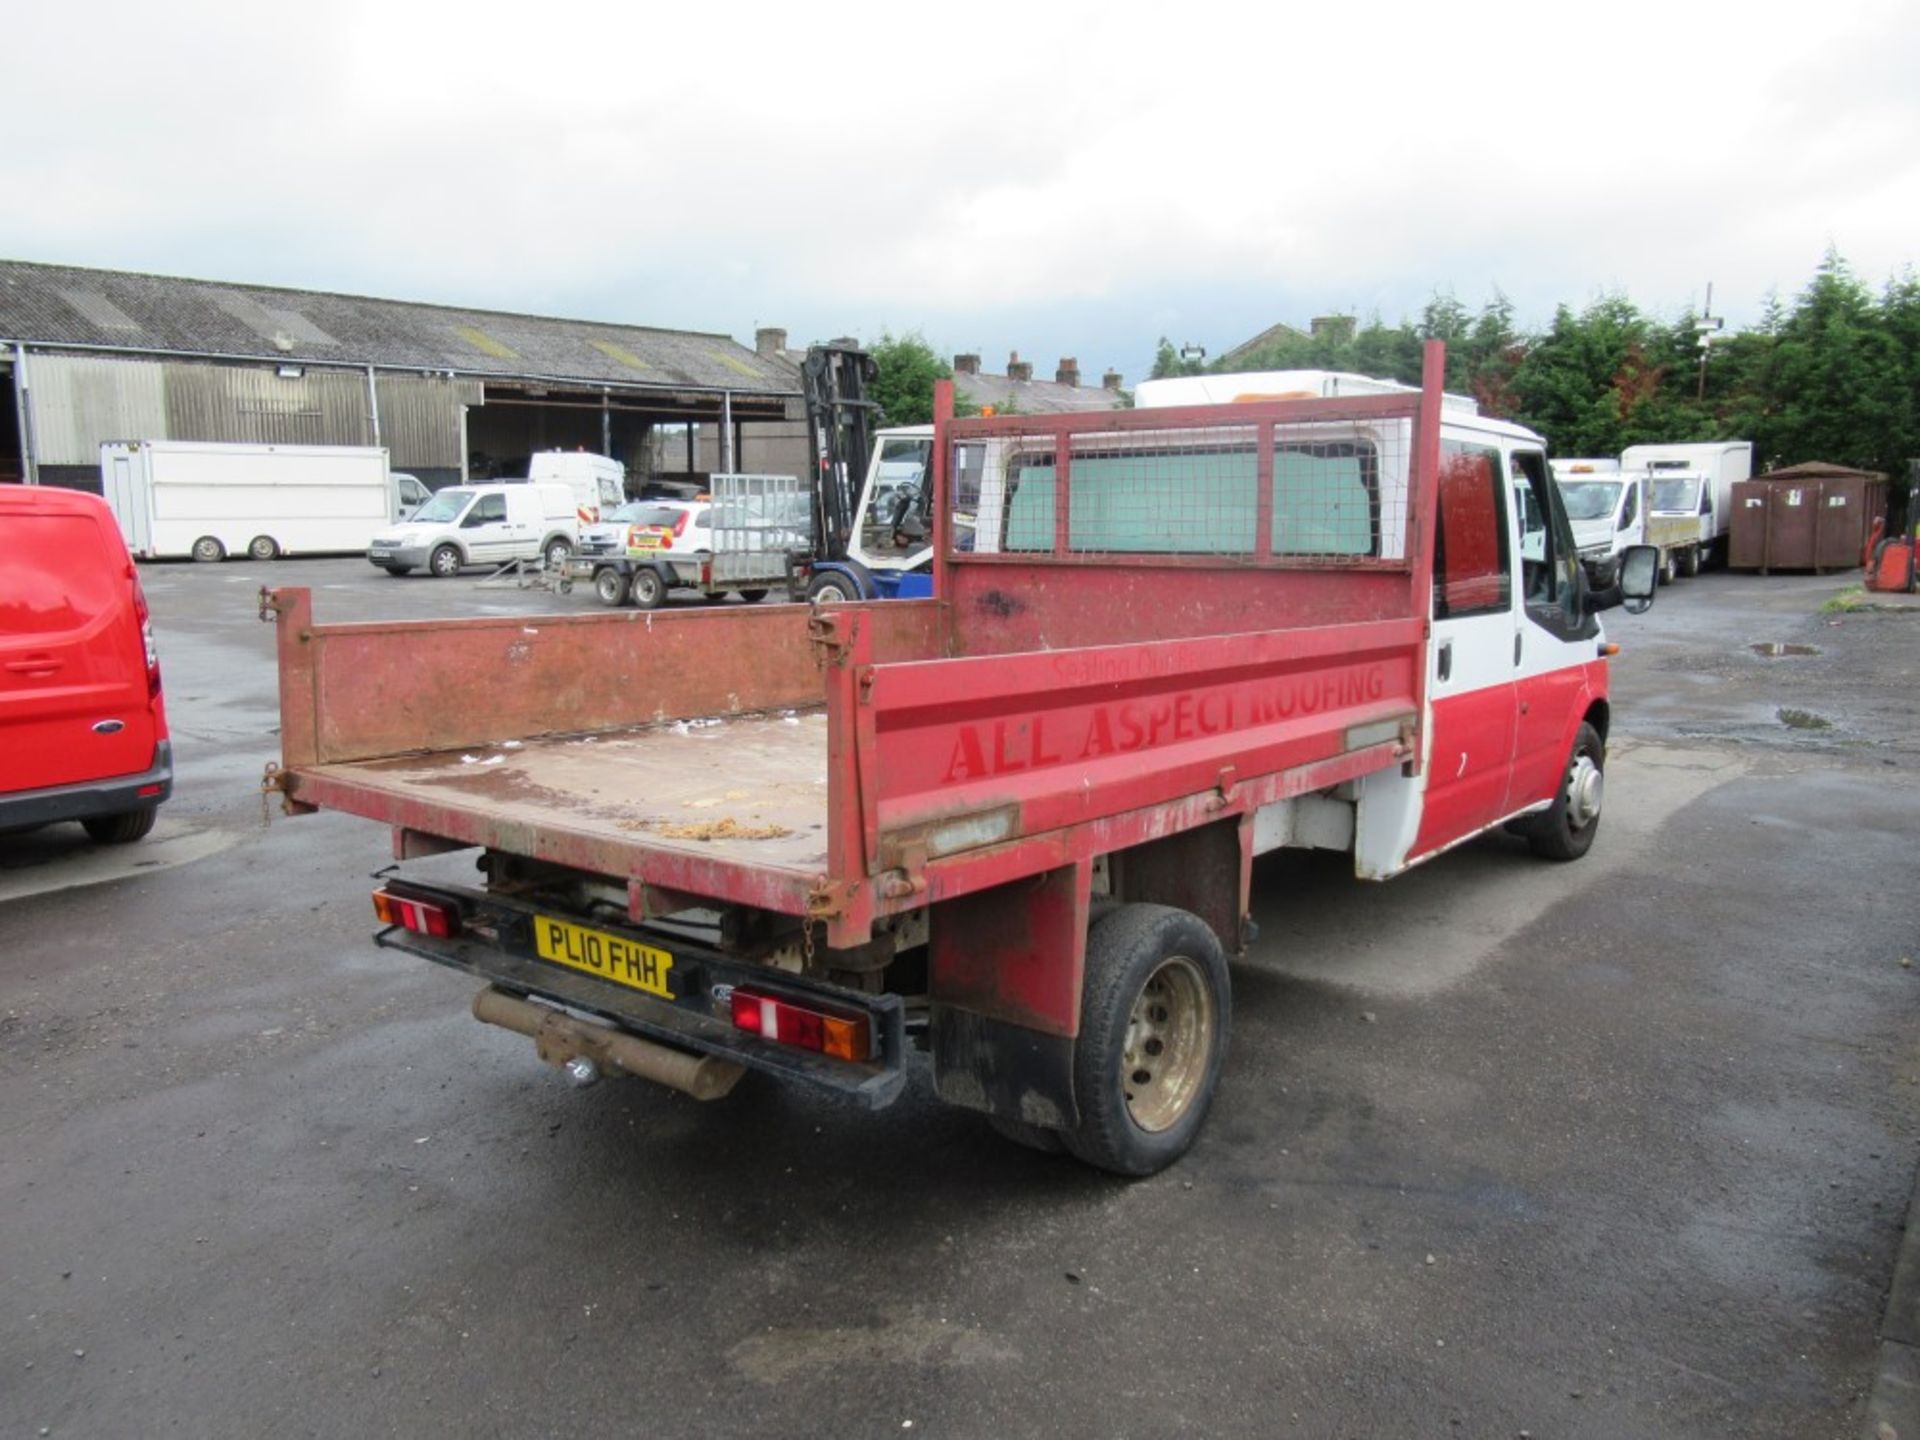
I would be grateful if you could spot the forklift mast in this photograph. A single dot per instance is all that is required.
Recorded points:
(840, 436)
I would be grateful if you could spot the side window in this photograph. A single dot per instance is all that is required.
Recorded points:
(1547, 558)
(1631, 510)
(487, 510)
(1470, 560)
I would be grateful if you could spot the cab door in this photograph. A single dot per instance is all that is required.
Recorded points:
(486, 531)
(1555, 645)
(1471, 681)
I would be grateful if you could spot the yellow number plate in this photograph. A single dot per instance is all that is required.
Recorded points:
(594, 952)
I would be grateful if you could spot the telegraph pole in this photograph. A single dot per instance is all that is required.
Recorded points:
(1707, 326)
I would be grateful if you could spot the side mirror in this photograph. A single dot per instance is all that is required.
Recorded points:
(1639, 574)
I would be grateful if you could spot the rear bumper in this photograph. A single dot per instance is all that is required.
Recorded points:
(113, 796)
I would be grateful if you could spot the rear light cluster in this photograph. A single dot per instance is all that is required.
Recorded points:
(145, 617)
(423, 917)
(772, 1017)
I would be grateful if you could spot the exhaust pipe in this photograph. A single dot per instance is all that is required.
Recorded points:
(560, 1038)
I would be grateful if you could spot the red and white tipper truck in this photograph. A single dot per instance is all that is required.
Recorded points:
(1011, 826)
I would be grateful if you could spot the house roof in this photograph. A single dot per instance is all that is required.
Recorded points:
(1272, 335)
(55, 305)
(1032, 397)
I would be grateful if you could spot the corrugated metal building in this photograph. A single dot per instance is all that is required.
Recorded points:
(95, 355)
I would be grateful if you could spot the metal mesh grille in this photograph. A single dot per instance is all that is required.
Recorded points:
(756, 520)
(1337, 492)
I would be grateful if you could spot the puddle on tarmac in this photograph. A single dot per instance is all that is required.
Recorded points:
(1772, 648)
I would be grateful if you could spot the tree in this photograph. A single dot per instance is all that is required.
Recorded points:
(1167, 361)
(903, 388)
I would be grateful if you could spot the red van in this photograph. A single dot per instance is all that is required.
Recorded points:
(83, 730)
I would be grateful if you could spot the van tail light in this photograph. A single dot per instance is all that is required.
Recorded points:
(423, 917)
(152, 651)
(807, 1027)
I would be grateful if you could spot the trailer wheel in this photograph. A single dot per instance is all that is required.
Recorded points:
(445, 562)
(830, 587)
(263, 547)
(1154, 1019)
(648, 588)
(207, 550)
(753, 597)
(610, 586)
(1566, 831)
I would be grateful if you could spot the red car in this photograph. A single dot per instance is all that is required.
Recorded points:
(83, 728)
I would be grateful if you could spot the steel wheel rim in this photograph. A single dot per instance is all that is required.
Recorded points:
(646, 585)
(1169, 1044)
(1586, 790)
(607, 586)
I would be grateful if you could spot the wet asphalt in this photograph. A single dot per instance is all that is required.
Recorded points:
(1621, 1148)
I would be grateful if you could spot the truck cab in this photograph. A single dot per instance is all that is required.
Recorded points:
(1607, 509)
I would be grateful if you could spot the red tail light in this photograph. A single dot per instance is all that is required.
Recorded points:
(423, 917)
(846, 1037)
(145, 617)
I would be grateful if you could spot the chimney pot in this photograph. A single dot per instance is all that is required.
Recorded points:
(769, 340)
(1068, 373)
(1110, 380)
(966, 364)
(1018, 369)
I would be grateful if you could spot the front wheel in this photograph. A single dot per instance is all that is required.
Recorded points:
(649, 590)
(1154, 1020)
(610, 586)
(445, 562)
(831, 587)
(208, 550)
(1566, 831)
(399, 569)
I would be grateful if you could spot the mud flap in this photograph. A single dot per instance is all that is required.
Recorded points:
(1004, 1069)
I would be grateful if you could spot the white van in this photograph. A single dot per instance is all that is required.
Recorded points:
(597, 483)
(481, 525)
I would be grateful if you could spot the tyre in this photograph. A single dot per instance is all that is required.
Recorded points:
(831, 587)
(263, 547)
(445, 562)
(1030, 1137)
(121, 829)
(208, 550)
(559, 550)
(648, 589)
(754, 597)
(1668, 567)
(1566, 831)
(1690, 562)
(399, 569)
(610, 586)
(1154, 1019)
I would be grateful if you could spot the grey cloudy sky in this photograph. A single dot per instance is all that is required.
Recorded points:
(1053, 178)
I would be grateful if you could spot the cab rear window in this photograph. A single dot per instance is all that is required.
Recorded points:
(55, 574)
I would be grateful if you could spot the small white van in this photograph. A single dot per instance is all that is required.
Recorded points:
(466, 525)
(597, 482)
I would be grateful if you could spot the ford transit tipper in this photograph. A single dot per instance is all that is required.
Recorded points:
(1010, 825)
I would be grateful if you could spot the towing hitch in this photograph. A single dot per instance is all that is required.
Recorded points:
(564, 1040)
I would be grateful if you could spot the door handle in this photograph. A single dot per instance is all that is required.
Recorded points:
(35, 668)
(1446, 659)
(1517, 638)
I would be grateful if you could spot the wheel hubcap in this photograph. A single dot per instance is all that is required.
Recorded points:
(1169, 1042)
(1586, 787)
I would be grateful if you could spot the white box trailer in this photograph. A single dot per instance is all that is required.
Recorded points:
(180, 498)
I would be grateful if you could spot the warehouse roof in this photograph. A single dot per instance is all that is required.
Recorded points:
(57, 305)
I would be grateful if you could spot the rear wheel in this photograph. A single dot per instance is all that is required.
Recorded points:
(1566, 831)
(649, 590)
(123, 828)
(754, 597)
(1690, 562)
(263, 547)
(830, 587)
(1669, 567)
(207, 550)
(610, 586)
(1154, 1019)
(445, 562)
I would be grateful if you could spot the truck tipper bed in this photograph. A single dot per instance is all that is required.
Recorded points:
(1012, 825)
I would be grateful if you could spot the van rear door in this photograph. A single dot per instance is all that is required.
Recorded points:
(74, 703)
